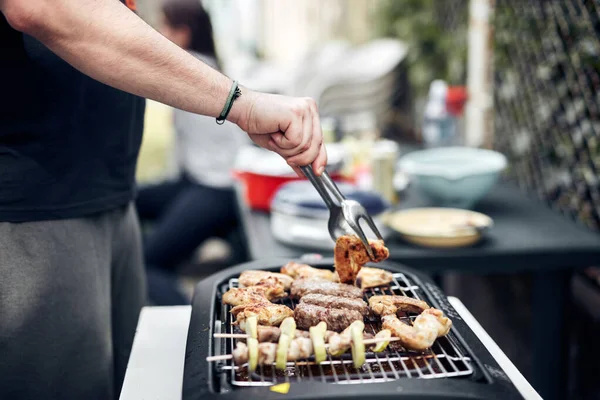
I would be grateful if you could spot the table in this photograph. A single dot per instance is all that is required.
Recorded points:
(155, 369)
(527, 236)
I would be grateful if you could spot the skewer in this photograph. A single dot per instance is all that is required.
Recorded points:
(230, 356)
(231, 335)
(245, 336)
(219, 358)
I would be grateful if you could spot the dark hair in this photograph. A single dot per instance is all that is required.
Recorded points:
(191, 14)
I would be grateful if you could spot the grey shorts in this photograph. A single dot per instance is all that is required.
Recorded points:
(70, 295)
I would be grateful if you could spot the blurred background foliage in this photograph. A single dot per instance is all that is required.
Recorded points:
(434, 54)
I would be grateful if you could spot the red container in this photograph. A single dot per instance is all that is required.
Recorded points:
(259, 189)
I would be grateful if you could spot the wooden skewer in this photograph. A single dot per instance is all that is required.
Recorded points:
(245, 336)
(377, 340)
(232, 335)
(219, 358)
(230, 356)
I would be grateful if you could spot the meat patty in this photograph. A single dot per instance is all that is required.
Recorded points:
(328, 301)
(337, 319)
(302, 287)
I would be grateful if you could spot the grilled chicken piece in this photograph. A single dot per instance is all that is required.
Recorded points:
(372, 277)
(304, 271)
(350, 255)
(272, 286)
(267, 289)
(240, 353)
(266, 313)
(272, 333)
(390, 305)
(253, 277)
(241, 296)
(339, 343)
(266, 353)
(328, 301)
(302, 287)
(427, 327)
(300, 348)
(307, 315)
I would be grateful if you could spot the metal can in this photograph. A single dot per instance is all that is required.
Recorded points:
(383, 161)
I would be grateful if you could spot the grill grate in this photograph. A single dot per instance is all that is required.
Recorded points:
(444, 360)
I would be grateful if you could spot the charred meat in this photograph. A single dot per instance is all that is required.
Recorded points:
(390, 305)
(372, 277)
(253, 277)
(426, 328)
(304, 271)
(329, 301)
(268, 289)
(350, 255)
(302, 287)
(272, 333)
(267, 313)
(307, 315)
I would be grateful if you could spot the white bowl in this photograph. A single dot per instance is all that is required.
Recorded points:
(454, 176)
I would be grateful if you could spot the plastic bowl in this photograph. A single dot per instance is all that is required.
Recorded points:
(259, 189)
(454, 176)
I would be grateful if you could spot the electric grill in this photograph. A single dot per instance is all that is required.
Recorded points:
(457, 366)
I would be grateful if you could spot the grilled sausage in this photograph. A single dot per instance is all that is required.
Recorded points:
(307, 315)
(302, 287)
(328, 301)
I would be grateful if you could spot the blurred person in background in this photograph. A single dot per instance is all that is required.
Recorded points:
(200, 204)
(73, 76)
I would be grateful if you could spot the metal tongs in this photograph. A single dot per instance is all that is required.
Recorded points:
(344, 215)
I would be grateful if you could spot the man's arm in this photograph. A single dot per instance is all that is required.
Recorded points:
(106, 41)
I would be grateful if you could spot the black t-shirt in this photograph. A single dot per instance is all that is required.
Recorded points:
(68, 144)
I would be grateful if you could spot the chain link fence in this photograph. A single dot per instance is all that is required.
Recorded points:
(546, 97)
(547, 100)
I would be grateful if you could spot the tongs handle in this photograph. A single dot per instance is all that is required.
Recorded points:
(330, 184)
(318, 183)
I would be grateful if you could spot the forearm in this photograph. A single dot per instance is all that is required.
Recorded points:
(106, 41)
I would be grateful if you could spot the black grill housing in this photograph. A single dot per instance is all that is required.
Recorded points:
(204, 380)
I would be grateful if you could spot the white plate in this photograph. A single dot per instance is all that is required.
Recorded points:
(439, 227)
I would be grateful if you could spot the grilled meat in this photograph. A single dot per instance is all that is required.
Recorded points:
(300, 348)
(372, 277)
(307, 315)
(350, 255)
(272, 333)
(241, 296)
(267, 289)
(302, 287)
(253, 277)
(304, 271)
(390, 305)
(339, 343)
(428, 326)
(266, 313)
(272, 287)
(328, 301)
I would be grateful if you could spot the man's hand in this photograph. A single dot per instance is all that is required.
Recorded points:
(289, 126)
(108, 42)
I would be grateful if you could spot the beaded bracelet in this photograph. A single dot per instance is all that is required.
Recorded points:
(234, 93)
